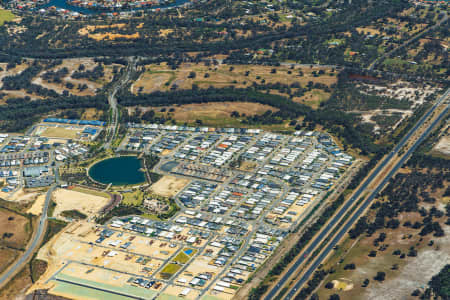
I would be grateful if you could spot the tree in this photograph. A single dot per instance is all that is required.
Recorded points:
(334, 297)
(380, 276)
(440, 283)
(366, 282)
(234, 114)
(329, 285)
(349, 266)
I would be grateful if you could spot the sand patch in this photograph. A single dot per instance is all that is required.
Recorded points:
(21, 195)
(36, 208)
(443, 146)
(87, 31)
(87, 204)
(169, 186)
(342, 285)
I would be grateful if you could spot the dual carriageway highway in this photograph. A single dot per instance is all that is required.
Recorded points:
(327, 232)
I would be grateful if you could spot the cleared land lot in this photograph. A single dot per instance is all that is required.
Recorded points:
(169, 186)
(84, 203)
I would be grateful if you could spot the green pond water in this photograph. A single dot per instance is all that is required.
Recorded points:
(118, 171)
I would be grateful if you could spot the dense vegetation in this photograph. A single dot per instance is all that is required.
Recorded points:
(20, 113)
(440, 284)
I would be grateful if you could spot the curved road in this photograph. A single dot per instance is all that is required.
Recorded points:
(112, 100)
(37, 238)
(348, 204)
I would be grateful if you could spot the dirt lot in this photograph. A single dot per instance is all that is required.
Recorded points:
(87, 204)
(162, 77)
(15, 224)
(169, 186)
(23, 196)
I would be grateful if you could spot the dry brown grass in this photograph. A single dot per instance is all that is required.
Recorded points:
(16, 224)
(218, 112)
(368, 30)
(91, 114)
(7, 256)
(162, 77)
(87, 31)
(17, 287)
(313, 98)
(72, 65)
(165, 32)
(61, 132)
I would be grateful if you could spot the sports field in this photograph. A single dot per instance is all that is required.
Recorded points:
(60, 132)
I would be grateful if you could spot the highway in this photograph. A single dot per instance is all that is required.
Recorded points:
(37, 238)
(112, 100)
(348, 204)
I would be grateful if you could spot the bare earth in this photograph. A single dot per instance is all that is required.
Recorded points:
(169, 186)
(87, 204)
(38, 204)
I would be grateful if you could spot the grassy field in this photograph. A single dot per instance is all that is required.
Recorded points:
(6, 16)
(313, 98)
(162, 77)
(182, 257)
(60, 132)
(134, 198)
(90, 191)
(169, 270)
(213, 114)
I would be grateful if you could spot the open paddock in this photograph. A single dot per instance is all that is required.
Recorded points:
(162, 77)
(212, 113)
(15, 229)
